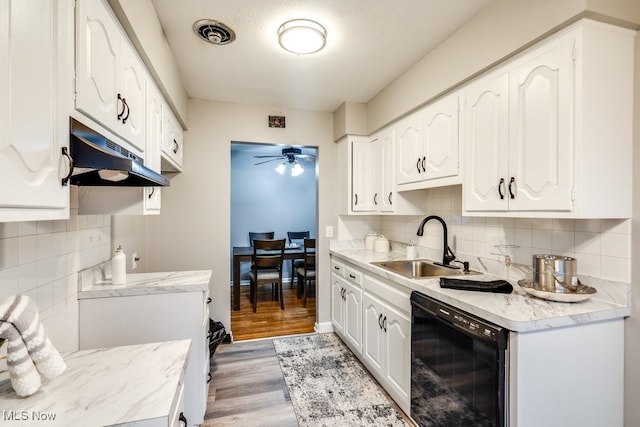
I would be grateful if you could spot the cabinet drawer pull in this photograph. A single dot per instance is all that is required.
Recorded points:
(512, 182)
(390, 193)
(124, 119)
(335, 267)
(352, 276)
(355, 196)
(177, 147)
(380, 321)
(375, 199)
(65, 152)
(418, 165)
(121, 99)
(424, 159)
(384, 324)
(501, 188)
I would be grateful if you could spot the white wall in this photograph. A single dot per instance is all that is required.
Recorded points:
(41, 259)
(192, 231)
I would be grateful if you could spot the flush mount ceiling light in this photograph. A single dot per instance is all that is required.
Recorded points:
(213, 32)
(302, 36)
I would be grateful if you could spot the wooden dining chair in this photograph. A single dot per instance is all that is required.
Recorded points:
(296, 237)
(307, 273)
(266, 268)
(263, 235)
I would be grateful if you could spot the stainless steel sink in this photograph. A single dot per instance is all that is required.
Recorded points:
(420, 269)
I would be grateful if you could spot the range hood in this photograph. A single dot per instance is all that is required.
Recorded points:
(99, 162)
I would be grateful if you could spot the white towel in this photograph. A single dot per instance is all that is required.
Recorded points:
(29, 351)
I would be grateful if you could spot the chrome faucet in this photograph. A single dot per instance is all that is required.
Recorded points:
(447, 253)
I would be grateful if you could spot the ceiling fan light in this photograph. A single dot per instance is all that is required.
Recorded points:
(281, 168)
(296, 169)
(302, 36)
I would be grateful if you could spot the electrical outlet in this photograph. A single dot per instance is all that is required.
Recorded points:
(328, 231)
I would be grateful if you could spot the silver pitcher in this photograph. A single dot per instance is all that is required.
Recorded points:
(555, 273)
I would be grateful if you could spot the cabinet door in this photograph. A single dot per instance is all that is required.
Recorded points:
(541, 131)
(383, 171)
(409, 149)
(485, 144)
(398, 352)
(34, 85)
(337, 303)
(97, 51)
(440, 138)
(171, 141)
(133, 86)
(353, 316)
(373, 341)
(361, 192)
(152, 195)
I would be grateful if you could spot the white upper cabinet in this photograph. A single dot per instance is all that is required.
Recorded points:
(110, 78)
(549, 133)
(35, 101)
(427, 148)
(361, 191)
(382, 170)
(172, 141)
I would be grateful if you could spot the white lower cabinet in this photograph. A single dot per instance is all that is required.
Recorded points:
(346, 307)
(373, 318)
(125, 320)
(386, 344)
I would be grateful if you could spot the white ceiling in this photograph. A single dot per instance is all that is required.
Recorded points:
(370, 43)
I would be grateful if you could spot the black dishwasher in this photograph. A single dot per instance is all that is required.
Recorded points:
(459, 367)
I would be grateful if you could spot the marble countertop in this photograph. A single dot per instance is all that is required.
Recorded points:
(517, 311)
(102, 387)
(95, 282)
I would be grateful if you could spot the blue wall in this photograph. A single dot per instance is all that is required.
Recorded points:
(264, 200)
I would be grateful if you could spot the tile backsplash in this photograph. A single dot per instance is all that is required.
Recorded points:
(601, 246)
(42, 258)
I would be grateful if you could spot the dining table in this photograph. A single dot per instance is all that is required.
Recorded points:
(244, 254)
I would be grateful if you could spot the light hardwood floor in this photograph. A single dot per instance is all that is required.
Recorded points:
(269, 320)
(247, 387)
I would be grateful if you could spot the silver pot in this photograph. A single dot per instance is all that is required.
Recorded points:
(555, 273)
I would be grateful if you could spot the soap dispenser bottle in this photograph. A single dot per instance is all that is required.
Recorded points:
(119, 267)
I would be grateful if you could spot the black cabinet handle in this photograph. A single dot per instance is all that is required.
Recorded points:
(384, 323)
(208, 377)
(375, 199)
(124, 119)
(352, 276)
(500, 188)
(512, 182)
(177, 147)
(356, 199)
(209, 300)
(390, 202)
(121, 99)
(183, 420)
(380, 321)
(153, 189)
(335, 267)
(65, 152)
(424, 159)
(418, 165)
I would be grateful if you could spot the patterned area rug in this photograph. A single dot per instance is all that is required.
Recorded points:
(328, 385)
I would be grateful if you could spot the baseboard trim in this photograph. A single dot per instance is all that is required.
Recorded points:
(323, 327)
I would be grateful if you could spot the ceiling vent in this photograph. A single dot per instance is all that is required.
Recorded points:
(214, 32)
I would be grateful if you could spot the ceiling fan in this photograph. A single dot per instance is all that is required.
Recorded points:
(289, 154)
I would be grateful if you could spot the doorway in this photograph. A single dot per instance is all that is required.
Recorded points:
(273, 188)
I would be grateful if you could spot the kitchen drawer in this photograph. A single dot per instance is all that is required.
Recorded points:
(353, 276)
(337, 267)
